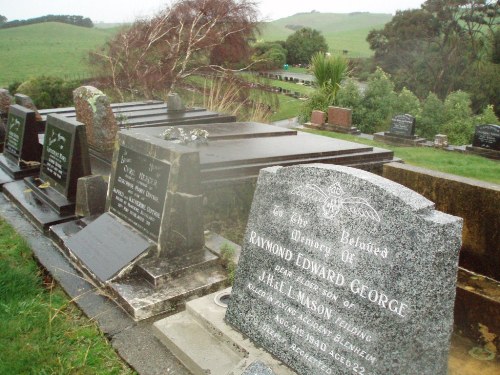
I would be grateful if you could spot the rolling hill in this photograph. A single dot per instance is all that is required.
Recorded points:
(342, 31)
(50, 48)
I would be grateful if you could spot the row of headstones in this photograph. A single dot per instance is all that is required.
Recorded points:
(486, 136)
(144, 175)
(341, 271)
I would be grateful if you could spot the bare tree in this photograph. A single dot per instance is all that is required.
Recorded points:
(157, 53)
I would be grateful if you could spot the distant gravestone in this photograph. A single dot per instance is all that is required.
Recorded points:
(318, 117)
(93, 108)
(403, 125)
(345, 272)
(22, 151)
(340, 116)
(27, 102)
(155, 189)
(487, 136)
(64, 160)
(340, 120)
(174, 103)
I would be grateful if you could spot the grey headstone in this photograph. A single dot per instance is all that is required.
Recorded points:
(343, 272)
(258, 368)
(174, 103)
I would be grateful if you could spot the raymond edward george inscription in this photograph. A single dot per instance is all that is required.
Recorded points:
(344, 272)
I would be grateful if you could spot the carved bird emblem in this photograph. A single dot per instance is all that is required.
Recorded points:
(334, 200)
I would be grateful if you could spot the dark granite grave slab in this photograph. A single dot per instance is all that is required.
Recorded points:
(238, 151)
(122, 247)
(398, 140)
(65, 155)
(221, 131)
(36, 210)
(343, 272)
(139, 190)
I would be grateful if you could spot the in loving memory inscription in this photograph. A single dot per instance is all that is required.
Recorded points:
(339, 274)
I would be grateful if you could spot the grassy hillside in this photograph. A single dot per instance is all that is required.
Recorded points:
(50, 48)
(341, 31)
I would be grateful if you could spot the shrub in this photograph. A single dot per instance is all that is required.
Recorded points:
(407, 102)
(459, 125)
(49, 92)
(431, 118)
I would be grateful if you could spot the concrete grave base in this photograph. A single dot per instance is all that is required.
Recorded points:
(155, 285)
(205, 344)
(485, 152)
(392, 139)
(342, 129)
(36, 210)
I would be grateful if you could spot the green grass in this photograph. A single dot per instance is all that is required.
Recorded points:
(464, 165)
(42, 332)
(52, 49)
(288, 108)
(341, 31)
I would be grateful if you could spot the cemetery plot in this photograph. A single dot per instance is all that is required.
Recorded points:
(345, 272)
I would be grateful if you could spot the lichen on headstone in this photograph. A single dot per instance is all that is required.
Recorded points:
(93, 108)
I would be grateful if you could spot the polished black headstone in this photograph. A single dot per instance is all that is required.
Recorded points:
(121, 246)
(487, 136)
(403, 125)
(64, 160)
(139, 190)
(22, 150)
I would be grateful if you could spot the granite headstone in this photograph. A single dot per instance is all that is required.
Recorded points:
(22, 152)
(343, 272)
(64, 160)
(403, 125)
(487, 136)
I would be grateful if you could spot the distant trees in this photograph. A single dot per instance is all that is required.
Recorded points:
(269, 55)
(303, 44)
(184, 38)
(3, 19)
(72, 20)
(445, 46)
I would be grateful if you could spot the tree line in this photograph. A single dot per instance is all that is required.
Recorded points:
(69, 19)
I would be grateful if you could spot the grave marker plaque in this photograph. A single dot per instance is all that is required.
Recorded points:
(403, 125)
(487, 136)
(345, 272)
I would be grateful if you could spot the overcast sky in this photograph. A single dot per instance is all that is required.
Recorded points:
(128, 10)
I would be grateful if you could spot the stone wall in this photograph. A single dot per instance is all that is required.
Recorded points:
(477, 202)
(478, 297)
